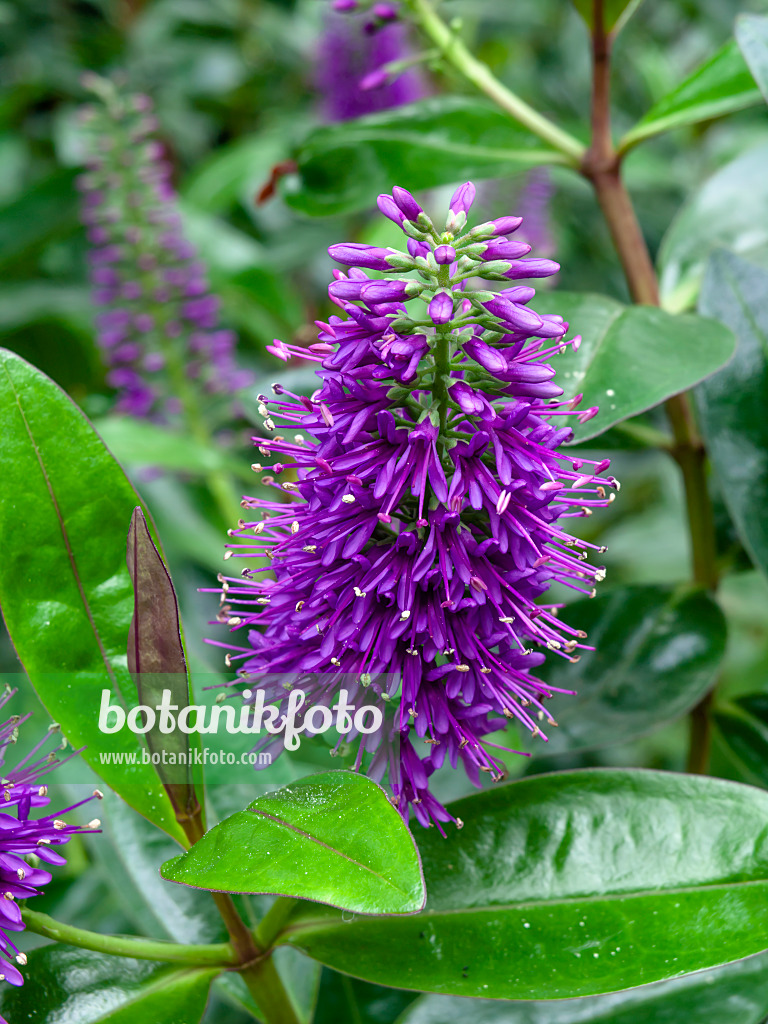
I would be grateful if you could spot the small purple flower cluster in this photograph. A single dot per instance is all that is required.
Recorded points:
(23, 838)
(159, 322)
(424, 506)
(365, 62)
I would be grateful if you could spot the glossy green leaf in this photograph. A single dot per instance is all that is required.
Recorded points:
(65, 592)
(732, 404)
(76, 986)
(342, 167)
(657, 653)
(570, 884)
(752, 37)
(354, 850)
(730, 209)
(141, 443)
(734, 994)
(631, 357)
(720, 86)
(743, 725)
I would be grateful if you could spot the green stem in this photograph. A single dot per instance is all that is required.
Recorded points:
(266, 987)
(443, 354)
(456, 54)
(272, 923)
(216, 955)
(647, 436)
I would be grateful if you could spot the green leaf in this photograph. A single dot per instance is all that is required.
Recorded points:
(730, 209)
(570, 884)
(65, 591)
(341, 167)
(631, 358)
(140, 443)
(82, 987)
(355, 851)
(735, 994)
(657, 654)
(743, 725)
(732, 404)
(752, 37)
(721, 86)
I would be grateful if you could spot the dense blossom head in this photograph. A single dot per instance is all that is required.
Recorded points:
(422, 501)
(26, 837)
(158, 321)
(365, 62)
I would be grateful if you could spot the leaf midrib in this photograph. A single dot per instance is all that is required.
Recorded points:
(339, 853)
(62, 526)
(495, 908)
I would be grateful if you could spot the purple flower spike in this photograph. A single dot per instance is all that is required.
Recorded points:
(374, 80)
(389, 208)
(354, 254)
(503, 250)
(376, 292)
(355, 50)
(506, 225)
(441, 308)
(469, 400)
(345, 5)
(462, 198)
(524, 269)
(427, 515)
(147, 275)
(405, 202)
(386, 11)
(489, 358)
(23, 836)
(517, 317)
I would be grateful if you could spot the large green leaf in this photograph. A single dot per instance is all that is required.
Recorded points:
(752, 37)
(353, 848)
(730, 209)
(735, 994)
(341, 167)
(631, 357)
(657, 654)
(743, 726)
(570, 884)
(77, 986)
(732, 404)
(720, 86)
(65, 592)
